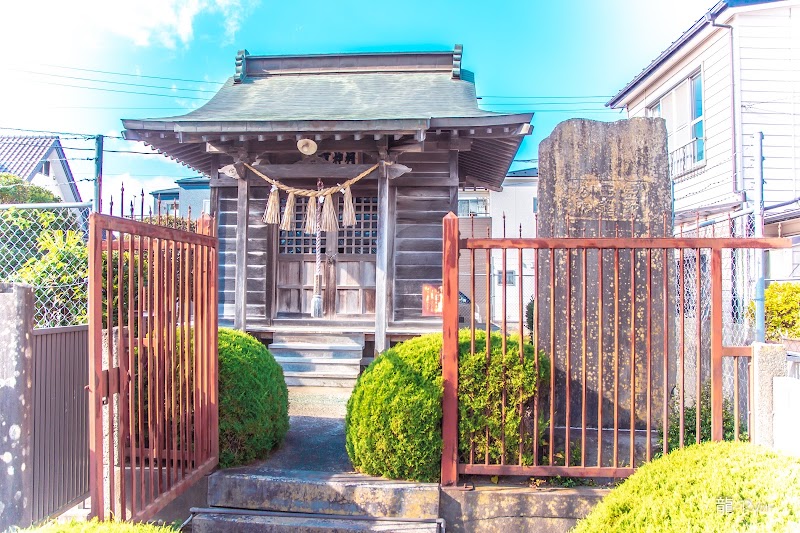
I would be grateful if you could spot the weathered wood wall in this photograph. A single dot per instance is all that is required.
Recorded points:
(422, 198)
(260, 264)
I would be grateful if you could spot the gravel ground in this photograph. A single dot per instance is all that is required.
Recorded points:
(325, 402)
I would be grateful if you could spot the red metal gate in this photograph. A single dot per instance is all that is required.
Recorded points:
(623, 333)
(153, 420)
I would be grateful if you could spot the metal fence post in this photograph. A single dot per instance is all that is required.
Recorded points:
(716, 344)
(450, 351)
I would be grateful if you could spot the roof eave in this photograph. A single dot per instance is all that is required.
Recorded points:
(698, 26)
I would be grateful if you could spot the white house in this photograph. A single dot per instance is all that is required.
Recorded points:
(40, 161)
(503, 212)
(728, 88)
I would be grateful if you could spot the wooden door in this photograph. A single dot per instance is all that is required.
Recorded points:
(347, 269)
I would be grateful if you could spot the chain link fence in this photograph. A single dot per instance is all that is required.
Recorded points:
(45, 246)
(739, 277)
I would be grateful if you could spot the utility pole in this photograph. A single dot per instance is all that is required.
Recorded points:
(758, 190)
(98, 173)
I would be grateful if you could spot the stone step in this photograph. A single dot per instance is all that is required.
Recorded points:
(333, 493)
(320, 338)
(334, 366)
(211, 522)
(334, 351)
(318, 379)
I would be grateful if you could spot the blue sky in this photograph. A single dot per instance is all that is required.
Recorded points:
(541, 51)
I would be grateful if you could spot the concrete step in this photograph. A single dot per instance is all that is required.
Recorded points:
(334, 366)
(243, 523)
(318, 379)
(333, 351)
(322, 338)
(315, 492)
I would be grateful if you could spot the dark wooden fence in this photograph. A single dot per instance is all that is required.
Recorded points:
(153, 420)
(60, 451)
(624, 351)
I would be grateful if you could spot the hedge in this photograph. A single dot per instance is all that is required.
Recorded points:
(393, 421)
(94, 526)
(714, 486)
(253, 399)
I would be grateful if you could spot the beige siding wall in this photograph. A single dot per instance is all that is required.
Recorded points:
(712, 182)
(769, 45)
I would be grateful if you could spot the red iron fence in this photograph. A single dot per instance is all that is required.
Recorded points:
(153, 420)
(625, 339)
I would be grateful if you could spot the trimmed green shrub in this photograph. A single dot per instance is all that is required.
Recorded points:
(253, 399)
(94, 526)
(393, 421)
(715, 486)
(782, 310)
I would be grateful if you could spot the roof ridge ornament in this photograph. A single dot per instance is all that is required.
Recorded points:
(241, 66)
(458, 51)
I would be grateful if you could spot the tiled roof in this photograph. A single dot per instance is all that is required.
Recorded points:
(22, 156)
(348, 96)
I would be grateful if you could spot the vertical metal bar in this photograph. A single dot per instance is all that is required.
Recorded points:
(139, 368)
(112, 496)
(159, 352)
(716, 344)
(450, 351)
(95, 367)
(681, 347)
(600, 365)
(213, 328)
(568, 353)
(503, 348)
(736, 398)
(551, 444)
(473, 295)
(173, 332)
(196, 408)
(633, 358)
(584, 343)
(129, 393)
(699, 342)
(665, 370)
(616, 358)
(184, 339)
(151, 362)
(488, 336)
(535, 334)
(649, 348)
(521, 310)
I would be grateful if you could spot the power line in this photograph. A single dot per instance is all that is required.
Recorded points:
(79, 78)
(132, 75)
(117, 90)
(63, 134)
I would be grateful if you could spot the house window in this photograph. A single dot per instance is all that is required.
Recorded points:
(511, 277)
(473, 206)
(207, 205)
(46, 168)
(682, 110)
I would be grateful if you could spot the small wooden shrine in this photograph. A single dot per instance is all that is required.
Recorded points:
(384, 139)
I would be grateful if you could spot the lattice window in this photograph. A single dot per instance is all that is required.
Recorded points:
(363, 237)
(295, 241)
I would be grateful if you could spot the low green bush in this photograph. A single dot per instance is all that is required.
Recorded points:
(94, 526)
(253, 399)
(781, 310)
(715, 486)
(690, 422)
(393, 421)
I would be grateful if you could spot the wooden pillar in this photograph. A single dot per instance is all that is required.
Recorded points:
(240, 285)
(213, 191)
(384, 266)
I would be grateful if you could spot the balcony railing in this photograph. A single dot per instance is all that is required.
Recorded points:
(687, 158)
